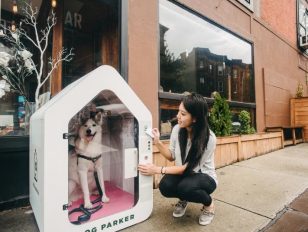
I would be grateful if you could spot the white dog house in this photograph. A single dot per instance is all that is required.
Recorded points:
(53, 132)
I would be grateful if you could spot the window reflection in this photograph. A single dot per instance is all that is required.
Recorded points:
(201, 57)
(302, 21)
(91, 29)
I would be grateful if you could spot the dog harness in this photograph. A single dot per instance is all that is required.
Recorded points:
(86, 213)
(93, 159)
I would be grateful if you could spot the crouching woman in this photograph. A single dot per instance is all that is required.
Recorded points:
(192, 146)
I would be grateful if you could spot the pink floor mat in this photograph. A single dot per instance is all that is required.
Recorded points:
(119, 201)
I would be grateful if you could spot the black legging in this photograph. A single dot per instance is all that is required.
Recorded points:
(196, 187)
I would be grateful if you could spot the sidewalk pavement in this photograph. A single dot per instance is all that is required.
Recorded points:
(268, 193)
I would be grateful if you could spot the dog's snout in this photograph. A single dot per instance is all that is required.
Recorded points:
(88, 131)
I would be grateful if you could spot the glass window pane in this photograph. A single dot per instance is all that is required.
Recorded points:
(196, 55)
(13, 101)
(91, 29)
(302, 17)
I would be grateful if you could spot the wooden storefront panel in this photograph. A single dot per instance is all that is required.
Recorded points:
(299, 114)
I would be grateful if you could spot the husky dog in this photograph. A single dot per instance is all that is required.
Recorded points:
(86, 159)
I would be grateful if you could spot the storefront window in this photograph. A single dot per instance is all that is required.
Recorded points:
(91, 29)
(13, 105)
(196, 55)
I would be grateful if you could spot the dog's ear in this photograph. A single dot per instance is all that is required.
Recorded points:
(99, 116)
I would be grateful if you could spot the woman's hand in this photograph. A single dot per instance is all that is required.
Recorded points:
(148, 169)
(156, 134)
(164, 150)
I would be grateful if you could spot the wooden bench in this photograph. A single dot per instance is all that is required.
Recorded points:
(291, 134)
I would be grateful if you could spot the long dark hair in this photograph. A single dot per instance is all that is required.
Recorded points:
(196, 105)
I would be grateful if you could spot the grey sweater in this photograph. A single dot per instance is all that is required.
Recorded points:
(206, 164)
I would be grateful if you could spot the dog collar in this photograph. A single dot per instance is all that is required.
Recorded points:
(93, 159)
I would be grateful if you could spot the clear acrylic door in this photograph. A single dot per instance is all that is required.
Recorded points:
(103, 139)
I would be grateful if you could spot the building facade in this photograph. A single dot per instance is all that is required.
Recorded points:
(250, 51)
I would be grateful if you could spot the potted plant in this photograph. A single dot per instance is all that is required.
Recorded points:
(244, 120)
(220, 116)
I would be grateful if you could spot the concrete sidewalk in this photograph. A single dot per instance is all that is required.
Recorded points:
(253, 195)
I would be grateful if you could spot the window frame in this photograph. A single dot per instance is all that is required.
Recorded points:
(176, 97)
(299, 25)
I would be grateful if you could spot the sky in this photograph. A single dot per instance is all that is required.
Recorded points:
(187, 31)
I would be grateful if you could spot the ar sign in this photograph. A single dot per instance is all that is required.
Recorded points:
(73, 19)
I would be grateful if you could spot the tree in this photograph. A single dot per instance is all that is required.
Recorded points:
(17, 64)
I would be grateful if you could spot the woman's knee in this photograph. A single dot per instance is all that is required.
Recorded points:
(164, 187)
(167, 188)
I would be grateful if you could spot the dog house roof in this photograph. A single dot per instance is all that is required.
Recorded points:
(79, 93)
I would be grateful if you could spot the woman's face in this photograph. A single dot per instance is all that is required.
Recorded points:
(184, 118)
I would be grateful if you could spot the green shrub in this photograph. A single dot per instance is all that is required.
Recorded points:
(244, 119)
(220, 117)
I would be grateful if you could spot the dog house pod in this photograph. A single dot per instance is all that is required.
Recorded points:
(125, 142)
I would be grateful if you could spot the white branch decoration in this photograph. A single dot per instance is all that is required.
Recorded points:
(18, 64)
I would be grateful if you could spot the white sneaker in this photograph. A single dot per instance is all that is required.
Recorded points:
(180, 209)
(206, 216)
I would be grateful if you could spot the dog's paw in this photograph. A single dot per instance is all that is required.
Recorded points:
(105, 199)
(88, 205)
